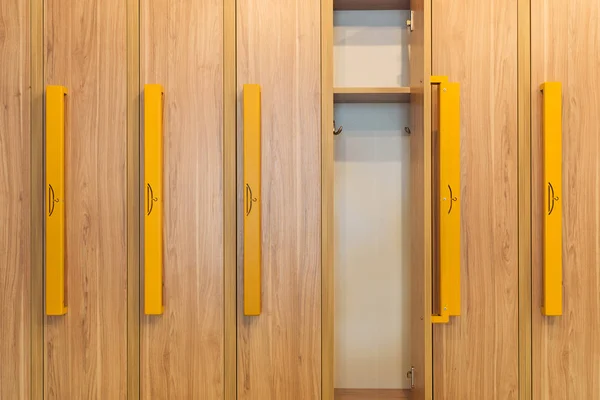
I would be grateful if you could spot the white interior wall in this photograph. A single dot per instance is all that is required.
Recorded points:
(371, 206)
(370, 48)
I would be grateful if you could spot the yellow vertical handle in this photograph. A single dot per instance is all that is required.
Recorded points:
(252, 200)
(153, 199)
(448, 201)
(56, 287)
(552, 267)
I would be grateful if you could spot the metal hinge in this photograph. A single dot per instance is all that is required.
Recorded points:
(411, 375)
(409, 22)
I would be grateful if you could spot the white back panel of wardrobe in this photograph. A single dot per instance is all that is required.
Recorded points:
(371, 239)
(371, 204)
(371, 48)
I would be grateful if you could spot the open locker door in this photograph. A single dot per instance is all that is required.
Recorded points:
(420, 149)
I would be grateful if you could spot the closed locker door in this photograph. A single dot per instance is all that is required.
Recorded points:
(182, 343)
(15, 198)
(565, 223)
(85, 345)
(475, 355)
(279, 199)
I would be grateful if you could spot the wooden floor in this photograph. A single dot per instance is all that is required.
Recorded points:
(370, 394)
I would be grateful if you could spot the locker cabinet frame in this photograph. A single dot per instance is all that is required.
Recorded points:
(422, 14)
(421, 102)
(421, 25)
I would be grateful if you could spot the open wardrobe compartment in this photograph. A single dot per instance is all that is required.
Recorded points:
(423, 259)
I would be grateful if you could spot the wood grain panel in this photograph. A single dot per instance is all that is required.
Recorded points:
(37, 205)
(420, 192)
(86, 51)
(524, 190)
(15, 198)
(327, 208)
(476, 355)
(371, 394)
(182, 350)
(566, 350)
(134, 202)
(229, 197)
(279, 47)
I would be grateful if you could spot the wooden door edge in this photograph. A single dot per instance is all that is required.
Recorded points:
(524, 197)
(37, 199)
(230, 198)
(327, 165)
(133, 200)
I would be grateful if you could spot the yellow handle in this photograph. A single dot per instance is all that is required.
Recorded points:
(154, 200)
(552, 268)
(252, 193)
(56, 286)
(448, 202)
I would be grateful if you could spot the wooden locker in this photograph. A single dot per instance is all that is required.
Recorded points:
(419, 42)
(182, 348)
(564, 50)
(15, 198)
(85, 50)
(279, 350)
(476, 355)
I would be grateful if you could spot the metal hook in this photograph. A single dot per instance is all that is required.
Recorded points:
(338, 130)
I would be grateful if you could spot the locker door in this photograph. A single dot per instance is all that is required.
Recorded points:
(15, 198)
(279, 339)
(85, 350)
(564, 49)
(475, 355)
(420, 202)
(182, 341)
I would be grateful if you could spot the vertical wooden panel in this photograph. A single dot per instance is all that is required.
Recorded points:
(182, 49)
(279, 48)
(566, 351)
(15, 197)
(85, 50)
(134, 206)
(327, 166)
(229, 197)
(37, 198)
(420, 191)
(475, 44)
(524, 193)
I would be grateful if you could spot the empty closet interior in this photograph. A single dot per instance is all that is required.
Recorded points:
(371, 192)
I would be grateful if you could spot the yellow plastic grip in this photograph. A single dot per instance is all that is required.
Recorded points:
(449, 202)
(252, 196)
(552, 206)
(56, 287)
(153, 199)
